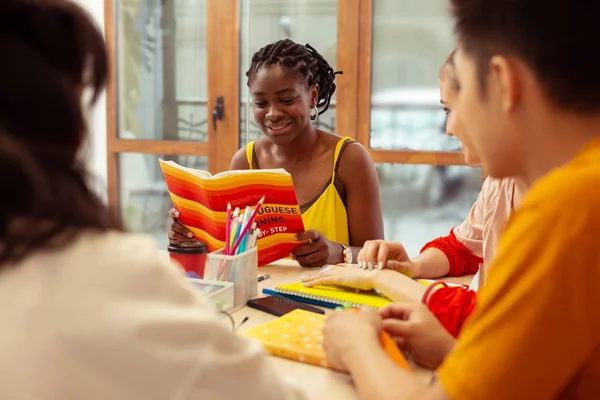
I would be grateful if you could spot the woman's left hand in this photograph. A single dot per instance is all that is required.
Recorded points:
(351, 277)
(318, 251)
(345, 330)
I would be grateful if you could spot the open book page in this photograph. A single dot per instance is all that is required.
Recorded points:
(202, 204)
(250, 171)
(197, 172)
(207, 175)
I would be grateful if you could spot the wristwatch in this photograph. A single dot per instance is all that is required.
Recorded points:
(347, 253)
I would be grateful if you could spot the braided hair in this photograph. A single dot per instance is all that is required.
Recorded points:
(305, 60)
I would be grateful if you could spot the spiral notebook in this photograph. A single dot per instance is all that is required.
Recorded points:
(331, 296)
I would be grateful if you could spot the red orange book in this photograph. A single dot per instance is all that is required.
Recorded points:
(202, 198)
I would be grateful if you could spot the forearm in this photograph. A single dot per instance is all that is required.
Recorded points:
(396, 286)
(377, 377)
(432, 263)
(460, 260)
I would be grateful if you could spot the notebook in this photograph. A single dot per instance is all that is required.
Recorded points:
(298, 336)
(333, 295)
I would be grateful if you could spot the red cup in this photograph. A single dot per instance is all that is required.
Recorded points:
(191, 257)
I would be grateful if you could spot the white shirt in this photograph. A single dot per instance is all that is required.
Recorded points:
(107, 318)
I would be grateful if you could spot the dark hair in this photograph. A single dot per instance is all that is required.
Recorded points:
(557, 39)
(303, 59)
(52, 52)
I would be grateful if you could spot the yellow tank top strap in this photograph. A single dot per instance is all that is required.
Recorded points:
(338, 148)
(250, 153)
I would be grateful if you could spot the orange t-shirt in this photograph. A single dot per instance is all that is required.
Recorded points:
(535, 333)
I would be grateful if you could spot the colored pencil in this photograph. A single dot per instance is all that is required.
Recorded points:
(232, 228)
(242, 246)
(250, 237)
(227, 228)
(232, 233)
(248, 224)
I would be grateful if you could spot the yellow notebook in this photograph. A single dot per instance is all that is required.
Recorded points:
(297, 336)
(334, 295)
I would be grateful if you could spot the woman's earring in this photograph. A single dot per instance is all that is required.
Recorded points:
(314, 113)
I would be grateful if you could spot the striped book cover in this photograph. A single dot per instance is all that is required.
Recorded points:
(202, 198)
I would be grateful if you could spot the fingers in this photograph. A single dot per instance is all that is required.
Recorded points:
(313, 253)
(371, 251)
(305, 249)
(361, 256)
(399, 340)
(397, 328)
(368, 254)
(176, 237)
(311, 235)
(317, 280)
(400, 311)
(376, 253)
(382, 254)
(174, 214)
(330, 277)
(314, 260)
(178, 228)
(313, 245)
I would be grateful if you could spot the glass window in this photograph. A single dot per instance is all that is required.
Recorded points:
(144, 197)
(162, 69)
(266, 21)
(411, 40)
(422, 202)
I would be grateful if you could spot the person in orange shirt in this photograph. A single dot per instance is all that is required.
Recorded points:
(530, 99)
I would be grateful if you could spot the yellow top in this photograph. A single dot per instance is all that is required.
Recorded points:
(535, 333)
(327, 213)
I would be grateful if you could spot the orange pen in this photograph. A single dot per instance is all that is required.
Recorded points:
(389, 346)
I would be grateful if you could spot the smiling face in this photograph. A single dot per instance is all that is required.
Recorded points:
(449, 90)
(281, 103)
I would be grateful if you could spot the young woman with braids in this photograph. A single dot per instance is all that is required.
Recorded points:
(334, 177)
(87, 310)
(467, 247)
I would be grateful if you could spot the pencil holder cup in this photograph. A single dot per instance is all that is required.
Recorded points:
(241, 269)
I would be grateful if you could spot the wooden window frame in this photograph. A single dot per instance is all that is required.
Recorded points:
(353, 105)
(222, 32)
(355, 46)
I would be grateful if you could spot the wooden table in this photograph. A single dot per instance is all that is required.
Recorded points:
(321, 383)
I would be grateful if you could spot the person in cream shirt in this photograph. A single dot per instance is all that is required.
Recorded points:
(87, 310)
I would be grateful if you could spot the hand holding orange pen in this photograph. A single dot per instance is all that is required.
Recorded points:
(390, 347)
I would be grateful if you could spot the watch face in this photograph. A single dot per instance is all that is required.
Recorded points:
(348, 255)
